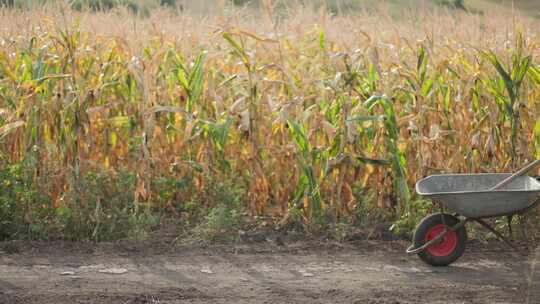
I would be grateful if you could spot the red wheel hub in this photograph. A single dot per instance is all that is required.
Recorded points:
(445, 246)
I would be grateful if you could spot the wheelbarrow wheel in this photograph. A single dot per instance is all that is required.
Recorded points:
(447, 250)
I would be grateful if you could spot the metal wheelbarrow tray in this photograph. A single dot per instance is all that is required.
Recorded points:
(470, 195)
(440, 239)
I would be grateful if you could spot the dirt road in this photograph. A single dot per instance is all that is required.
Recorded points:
(366, 272)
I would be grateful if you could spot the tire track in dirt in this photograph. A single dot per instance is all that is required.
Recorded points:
(260, 275)
(159, 272)
(7, 287)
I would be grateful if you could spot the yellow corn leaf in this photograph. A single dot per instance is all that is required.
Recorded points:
(10, 127)
(120, 121)
(254, 36)
(113, 138)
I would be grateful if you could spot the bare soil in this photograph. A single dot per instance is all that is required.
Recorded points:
(360, 272)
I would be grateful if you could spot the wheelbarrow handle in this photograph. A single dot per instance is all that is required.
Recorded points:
(512, 177)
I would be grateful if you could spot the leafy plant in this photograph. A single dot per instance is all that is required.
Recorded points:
(223, 220)
(407, 222)
(100, 207)
(510, 80)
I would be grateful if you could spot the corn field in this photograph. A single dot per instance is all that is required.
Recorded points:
(305, 112)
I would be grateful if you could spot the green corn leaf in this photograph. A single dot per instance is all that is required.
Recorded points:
(183, 80)
(239, 50)
(299, 136)
(421, 58)
(227, 80)
(222, 133)
(322, 40)
(521, 71)
(372, 161)
(534, 73)
(196, 78)
(195, 166)
(536, 135)
(427, 86)
(508, 82)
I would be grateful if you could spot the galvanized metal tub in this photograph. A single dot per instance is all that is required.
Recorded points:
(469, 195)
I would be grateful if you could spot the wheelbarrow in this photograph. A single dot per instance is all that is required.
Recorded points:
(440, 238)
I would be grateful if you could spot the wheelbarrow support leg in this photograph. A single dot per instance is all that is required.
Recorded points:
(498, 234)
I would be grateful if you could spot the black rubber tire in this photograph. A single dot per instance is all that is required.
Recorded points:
(420, 237)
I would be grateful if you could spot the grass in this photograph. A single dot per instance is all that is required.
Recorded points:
(519, 4)
(294, 108)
